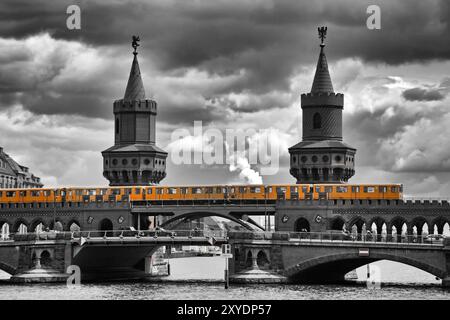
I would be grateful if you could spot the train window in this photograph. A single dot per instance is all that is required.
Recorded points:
(232, 190)
(355, 189)
(305, 189)
(23, 193)
(35, 193)
(341, 189)
(159, 190)
(401, 188)
(294, 189)
(317, 189)
(252, 189)
(219, 190)
(183, 190)
(10, 194)
(115, 191)
(394, 189)
(172, 190)
(270, 189)
(149, 191)
(1, 193)
(92, 192)
(241, 189)
(257, 190)
(47, 193)
(281, 189)
(209, 190)
(328, 189)
(196, 190)
(383, 189)
(78, 192)
(137, 191)
(369, 189)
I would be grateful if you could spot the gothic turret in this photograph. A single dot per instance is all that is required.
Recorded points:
(322, 156)
(134, 159)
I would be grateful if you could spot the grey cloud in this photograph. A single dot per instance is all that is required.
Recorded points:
(421, 94)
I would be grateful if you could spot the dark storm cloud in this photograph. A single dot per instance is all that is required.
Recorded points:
(269, 41)
(421, 94)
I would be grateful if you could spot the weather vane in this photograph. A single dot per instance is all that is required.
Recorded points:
(322, 33)
(135, 44)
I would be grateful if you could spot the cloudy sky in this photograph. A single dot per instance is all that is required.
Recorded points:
(231, 64)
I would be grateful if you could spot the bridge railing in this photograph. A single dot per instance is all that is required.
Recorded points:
(367, 237)
(68, 235)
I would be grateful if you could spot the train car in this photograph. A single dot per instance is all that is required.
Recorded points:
(205, 193)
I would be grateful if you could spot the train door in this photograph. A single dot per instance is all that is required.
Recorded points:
(281, 193)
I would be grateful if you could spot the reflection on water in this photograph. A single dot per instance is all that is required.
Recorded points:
(207, 271)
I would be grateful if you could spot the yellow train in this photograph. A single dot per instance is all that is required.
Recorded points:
(207, 193)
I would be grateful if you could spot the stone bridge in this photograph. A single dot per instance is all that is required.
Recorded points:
(326, 257)
(100, 255)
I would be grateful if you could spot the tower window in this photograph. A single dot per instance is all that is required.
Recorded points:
(117, 126)
(317, 121)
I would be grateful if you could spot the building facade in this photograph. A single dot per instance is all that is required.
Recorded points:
(134, 159)
(14, 175)
(322, 156)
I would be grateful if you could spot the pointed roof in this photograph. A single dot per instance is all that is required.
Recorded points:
(135, 87)
(322, 80)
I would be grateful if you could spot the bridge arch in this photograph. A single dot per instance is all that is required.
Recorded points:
(419, 223)
(105, 225)
(337, 223)
(20, 226)
(439, 222)
(379, 222)
(302, 225)
(196, 214)
(5, 228)
(262, 259)
(73, 225)
(34, 225)
(57, 225)
(357, 221)
(333, 267)
(399, 222)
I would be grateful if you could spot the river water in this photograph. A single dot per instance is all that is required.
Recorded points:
(198, 279)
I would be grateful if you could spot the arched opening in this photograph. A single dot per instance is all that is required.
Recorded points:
(106, 225)
(337, 224)
(333, 268)
(73, 226)
(20, 227)
(317, 121)
(302, 225)
(262, 261)
(446, 230)
(5, 231)
(357, 227)
(438, 225)
(249, 260)
(45, 259)
(57, 226)
(37, 226)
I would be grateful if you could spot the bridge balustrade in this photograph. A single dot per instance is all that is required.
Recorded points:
(367, 237)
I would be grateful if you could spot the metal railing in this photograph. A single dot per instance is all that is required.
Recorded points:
(105, 234)
(331, 236)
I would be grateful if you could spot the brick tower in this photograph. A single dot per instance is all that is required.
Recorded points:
(134, 159)
(322, 156)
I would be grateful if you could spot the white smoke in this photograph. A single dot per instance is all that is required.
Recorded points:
(238, 161)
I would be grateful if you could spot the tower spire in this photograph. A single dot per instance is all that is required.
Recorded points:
(322, 80)
(135, 87)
